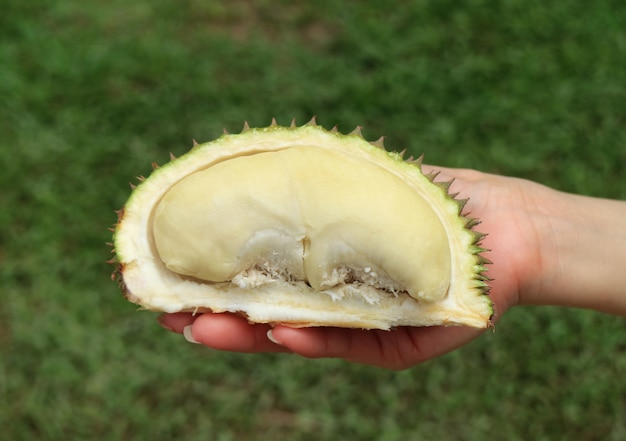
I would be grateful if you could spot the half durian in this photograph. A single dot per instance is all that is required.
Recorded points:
(305, 227)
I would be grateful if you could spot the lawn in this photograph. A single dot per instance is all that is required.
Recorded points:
(92, 92)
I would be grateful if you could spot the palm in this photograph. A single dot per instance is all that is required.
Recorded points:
(493, 199)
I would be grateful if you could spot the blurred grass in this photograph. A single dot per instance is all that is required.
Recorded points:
(92, 92)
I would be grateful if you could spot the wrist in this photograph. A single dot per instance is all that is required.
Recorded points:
(581, 249)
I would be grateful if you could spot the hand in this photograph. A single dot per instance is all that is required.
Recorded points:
(503, 206)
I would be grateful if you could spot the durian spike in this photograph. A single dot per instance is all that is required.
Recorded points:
(484, 261)
(445, 185)
(475, 249)
(246, 127)
(132, 186)
(462, 203)
(195, 143)
(471, 223)
(120, 215)
(357, 132)
(273, 123)
(293, 124)
(482, 276)
(432, 176)
(380, 143)
(416, 161)
(312, 122)
(155, 165)
(141, 178)
(225, 132)
(172, 157)
(479, 236)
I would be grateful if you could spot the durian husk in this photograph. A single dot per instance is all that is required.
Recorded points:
(146, 281)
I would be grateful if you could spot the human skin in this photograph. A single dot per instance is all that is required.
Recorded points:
(547, 248)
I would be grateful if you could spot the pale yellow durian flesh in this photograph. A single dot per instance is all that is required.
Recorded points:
(304, 227)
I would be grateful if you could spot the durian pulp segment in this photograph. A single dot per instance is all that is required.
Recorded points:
(305, 214)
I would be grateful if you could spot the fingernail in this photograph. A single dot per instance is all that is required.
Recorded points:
(188, 335)
(273, 339)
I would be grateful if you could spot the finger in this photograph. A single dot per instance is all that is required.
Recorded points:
(228, 332)
(397, 349)
(176, 322)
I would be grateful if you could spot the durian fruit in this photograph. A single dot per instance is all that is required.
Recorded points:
(305, 227)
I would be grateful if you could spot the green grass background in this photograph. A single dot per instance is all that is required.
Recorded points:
(92, 92)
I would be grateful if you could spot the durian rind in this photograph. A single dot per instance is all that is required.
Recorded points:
(148, 283)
